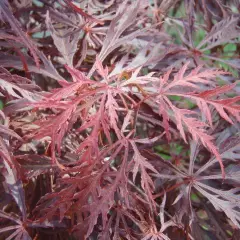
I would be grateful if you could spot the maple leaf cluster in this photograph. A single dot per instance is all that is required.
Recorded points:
(112, 127)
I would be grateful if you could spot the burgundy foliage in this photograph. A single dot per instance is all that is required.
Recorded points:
(111, 127)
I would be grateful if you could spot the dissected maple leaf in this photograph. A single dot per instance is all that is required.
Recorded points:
(16, 26)
(18, 87)
(222, 32)
(81, 12)
(19, 230)
(66, 45)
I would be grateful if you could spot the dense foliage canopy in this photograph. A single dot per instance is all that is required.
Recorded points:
(119, 119)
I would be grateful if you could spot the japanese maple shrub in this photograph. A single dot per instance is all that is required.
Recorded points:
(119, 119)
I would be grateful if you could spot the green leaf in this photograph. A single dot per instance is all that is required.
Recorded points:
(230, 47)
(1, 105)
